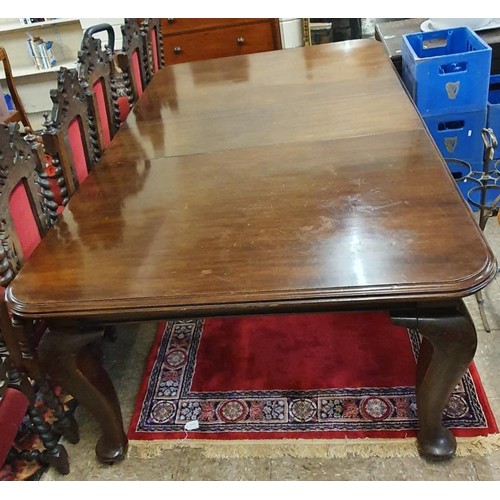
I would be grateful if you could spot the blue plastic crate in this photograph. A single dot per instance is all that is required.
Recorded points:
(458, 135)
(493, 121)
(446, 71)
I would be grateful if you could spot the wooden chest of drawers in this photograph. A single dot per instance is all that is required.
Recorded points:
(196, 39)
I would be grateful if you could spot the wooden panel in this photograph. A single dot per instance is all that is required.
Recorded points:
(181, 25)
(244, 39)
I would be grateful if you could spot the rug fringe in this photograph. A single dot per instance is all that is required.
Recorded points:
(309, 448)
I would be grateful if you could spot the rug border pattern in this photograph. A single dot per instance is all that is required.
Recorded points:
(169, 403)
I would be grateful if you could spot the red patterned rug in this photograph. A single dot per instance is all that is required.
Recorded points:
(292, 382)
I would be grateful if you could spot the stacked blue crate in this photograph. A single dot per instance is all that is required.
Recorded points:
(447, 75)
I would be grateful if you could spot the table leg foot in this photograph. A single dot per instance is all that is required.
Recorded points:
(67, 355)
(108, 452)
(448, 346)
(438, 445)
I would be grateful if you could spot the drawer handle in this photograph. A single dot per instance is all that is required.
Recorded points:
(171, 20)
(177, 50)
(240, 40)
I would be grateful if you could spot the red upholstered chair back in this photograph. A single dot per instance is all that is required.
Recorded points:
(151, 27)
(24, 216)
(70, 136)
(96, 72)
(133, 60)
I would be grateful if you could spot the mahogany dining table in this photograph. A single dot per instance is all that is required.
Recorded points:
(290, 181)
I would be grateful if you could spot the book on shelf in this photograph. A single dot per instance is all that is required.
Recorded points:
(41, 52)
(33, 20)
(4, 110)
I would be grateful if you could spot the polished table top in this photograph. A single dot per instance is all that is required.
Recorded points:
(255, 183)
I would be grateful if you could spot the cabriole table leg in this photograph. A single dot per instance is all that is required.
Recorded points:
(66, 354)
(448, 347)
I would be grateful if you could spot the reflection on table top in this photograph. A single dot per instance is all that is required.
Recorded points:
(252, 182)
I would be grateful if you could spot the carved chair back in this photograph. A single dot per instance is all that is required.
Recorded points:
(24, 215)
(70, 135)
(133, 60)
(95, 70)
(19, 114)
(151, 27)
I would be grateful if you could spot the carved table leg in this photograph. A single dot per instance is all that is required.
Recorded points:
(67, 356)
(448, 346)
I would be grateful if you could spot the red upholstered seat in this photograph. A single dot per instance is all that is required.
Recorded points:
(13, 406)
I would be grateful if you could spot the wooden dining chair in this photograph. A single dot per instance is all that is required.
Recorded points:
(133, 62)
(24, 220)
(96, 72)
(70, 135)
(18, 399)
(19, 114)
(24, 216)
(151, 27)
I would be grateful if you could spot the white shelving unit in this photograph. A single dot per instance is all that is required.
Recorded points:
(33, 71)
(8, 26)
(34, 85)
